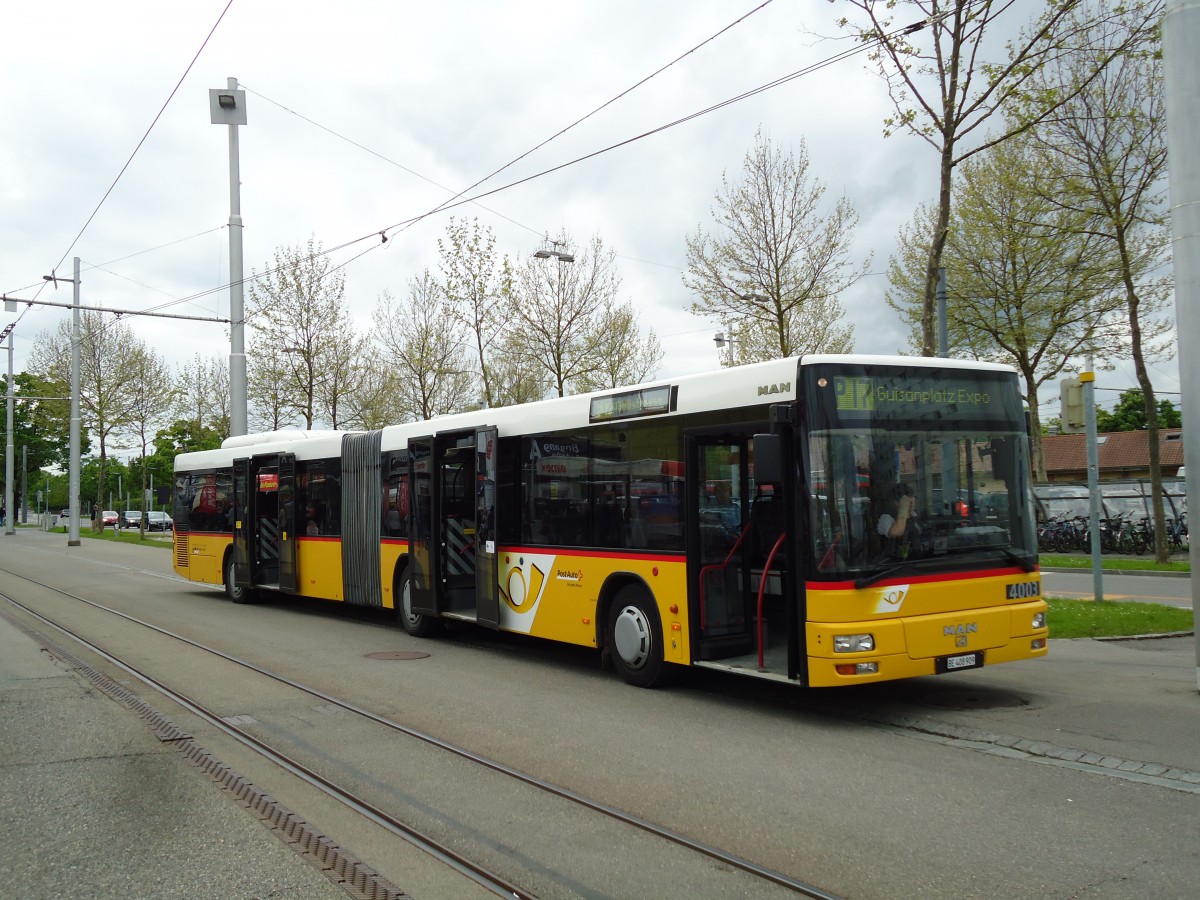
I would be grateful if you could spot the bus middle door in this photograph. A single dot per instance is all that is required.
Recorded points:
(423, 575)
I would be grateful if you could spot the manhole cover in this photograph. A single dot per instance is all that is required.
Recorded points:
(397, 654)
(974, 700)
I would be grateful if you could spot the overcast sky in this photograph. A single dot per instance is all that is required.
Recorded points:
(366, 114)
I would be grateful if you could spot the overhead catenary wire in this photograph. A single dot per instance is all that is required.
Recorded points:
(383, 232)
(129, 161)
(459, 200)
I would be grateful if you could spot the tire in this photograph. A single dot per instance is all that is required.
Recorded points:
(232, 590)
(416, 624)
(635, 641)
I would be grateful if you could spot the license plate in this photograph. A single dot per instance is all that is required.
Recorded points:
(960, 661)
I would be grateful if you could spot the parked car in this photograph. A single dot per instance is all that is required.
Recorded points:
(109, 518)
(131, 518)
(158, 521)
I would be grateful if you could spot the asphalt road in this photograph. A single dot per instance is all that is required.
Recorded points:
(991, 783)
(1169, 590)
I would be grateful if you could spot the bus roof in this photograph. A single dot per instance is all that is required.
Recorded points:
(732, 388)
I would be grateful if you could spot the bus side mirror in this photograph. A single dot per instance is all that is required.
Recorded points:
(768, 459)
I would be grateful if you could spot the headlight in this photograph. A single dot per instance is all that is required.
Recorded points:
(853, 643)
(1039, 620)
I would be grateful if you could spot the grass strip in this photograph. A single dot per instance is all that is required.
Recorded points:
(1089, 619)
(1053, 561)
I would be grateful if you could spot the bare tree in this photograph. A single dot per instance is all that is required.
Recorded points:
(376, 401)
(516, 376)
(949, 70)
(475, 282)
(779, 262)
(560, 306)
(425, 346)
(107, 381)
(623, 355)
(202, 391)
(152, 396)
(343, 355)
(297, 309)
(271, 406)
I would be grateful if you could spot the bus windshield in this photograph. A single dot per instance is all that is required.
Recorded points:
(915, 467)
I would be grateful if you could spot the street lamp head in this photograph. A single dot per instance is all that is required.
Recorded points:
(541, 254)
(565, 257)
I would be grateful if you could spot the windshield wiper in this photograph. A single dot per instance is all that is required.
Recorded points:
(1021, 561)
(868, 580)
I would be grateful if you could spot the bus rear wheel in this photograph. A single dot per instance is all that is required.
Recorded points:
(237, 593)
(635, 641)
(415, 623)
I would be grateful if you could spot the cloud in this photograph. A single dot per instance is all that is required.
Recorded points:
(449, 91)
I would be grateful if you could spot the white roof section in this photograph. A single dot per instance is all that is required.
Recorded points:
(733, 388)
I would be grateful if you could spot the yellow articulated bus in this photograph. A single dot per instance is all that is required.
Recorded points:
(825, 520)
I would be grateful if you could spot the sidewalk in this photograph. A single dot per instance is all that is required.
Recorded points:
(1133, 703)
(93, 805)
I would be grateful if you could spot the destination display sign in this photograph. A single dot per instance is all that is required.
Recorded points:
(843, 395)
(631, 404)
(870, 394)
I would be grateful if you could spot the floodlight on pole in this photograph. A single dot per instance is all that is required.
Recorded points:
(553, 252)
(228, 107)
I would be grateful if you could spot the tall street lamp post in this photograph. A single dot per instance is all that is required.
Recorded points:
(228, 107)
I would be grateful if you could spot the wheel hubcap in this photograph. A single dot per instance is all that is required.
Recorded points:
(406, 604)
(632, 637)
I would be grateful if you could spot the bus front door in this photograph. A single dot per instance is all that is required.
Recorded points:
(241, 524)
(718, 543)
(288, 576)
(262, 499)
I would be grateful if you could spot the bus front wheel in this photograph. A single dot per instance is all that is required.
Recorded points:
(415, 623)
(635, 638)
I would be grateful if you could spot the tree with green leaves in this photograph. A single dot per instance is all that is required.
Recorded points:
(1129, 414)
(778, 260)
(425, 345)
(1030, 284)
(950, 68)
(41, 420)
(1110, 140)
(183, 436)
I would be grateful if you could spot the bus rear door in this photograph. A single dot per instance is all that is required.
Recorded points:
(453, 498)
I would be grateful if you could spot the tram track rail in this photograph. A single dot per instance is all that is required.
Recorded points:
(481, 875)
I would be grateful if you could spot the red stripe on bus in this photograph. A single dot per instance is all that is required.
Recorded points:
(595, 554)
(921, 579)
